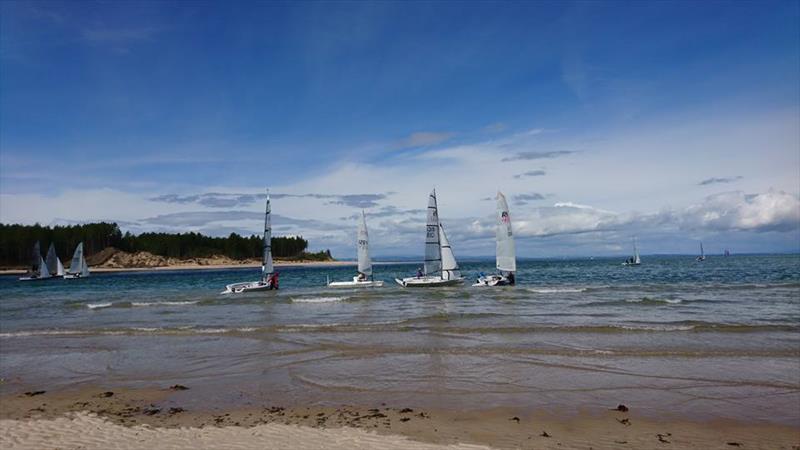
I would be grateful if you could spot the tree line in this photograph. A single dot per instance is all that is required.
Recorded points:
(16, 243)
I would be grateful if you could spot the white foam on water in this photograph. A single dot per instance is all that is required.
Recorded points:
(99, 305)
(555, 290)
(163, 303)
(318, 299)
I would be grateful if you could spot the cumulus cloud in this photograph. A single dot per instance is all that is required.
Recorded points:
(531, 173)
(708, 181)
(525, 156)
(737, 211)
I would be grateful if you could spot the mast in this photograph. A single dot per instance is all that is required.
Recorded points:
(362, 247)
(433, 251)
(505, 252)
(266, 263)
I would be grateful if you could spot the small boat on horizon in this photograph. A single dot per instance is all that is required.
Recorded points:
(440, 267)
(505, 254)
(77, 267)
(364, 277)
(269, 278)
(38, 269)
(634, 260)
(702, 256)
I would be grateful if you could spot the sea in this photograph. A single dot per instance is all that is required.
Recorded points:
(674, 337)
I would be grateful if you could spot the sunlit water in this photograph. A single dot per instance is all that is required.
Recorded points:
(719, 338)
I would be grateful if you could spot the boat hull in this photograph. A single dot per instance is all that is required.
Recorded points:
(492, 281)
(428, 281)
(355, 284)
(33, 278)
(250, 286)
(73, 276)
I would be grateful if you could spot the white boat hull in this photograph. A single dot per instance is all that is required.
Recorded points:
(428, 281)
(73, 276)
(631, 264)
(33, 278)
(355, 284)
(492, 281)
(249, 286)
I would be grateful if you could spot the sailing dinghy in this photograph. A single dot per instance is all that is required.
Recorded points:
(38, 269)
(77, 267)
(364, 277)
(441, 268)
(633, 260)
(269, 278)
(505, 253)
(53, 263)
(702, 256)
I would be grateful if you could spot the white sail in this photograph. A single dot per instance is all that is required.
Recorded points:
(433, 251)
(364, 263)
(36, 260)
(59, 268)
(702, 254)
(636, 259)
(266, 265)
(43, 270)
(506, 254)
(78, 266)
(450, 269)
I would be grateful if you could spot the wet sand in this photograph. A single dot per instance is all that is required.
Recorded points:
(93, 417)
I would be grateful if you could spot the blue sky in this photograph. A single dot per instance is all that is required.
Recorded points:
(676, 122)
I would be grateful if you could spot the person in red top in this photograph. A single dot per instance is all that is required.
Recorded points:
(273, 281)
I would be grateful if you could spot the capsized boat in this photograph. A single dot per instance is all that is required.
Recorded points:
(363, 279)
(53, 263)
(441, 268)
(633, 260)
(269, 278)
(38, 269)
(77, 267)
(702, 256)
(505, 252)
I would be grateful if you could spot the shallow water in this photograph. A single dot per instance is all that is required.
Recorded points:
(719, 338)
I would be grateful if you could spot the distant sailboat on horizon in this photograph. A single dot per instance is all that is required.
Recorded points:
(77, 266)
(38, 269)
(505, 255)
(634, 260)
(269, 278)
(363, 279)
(440, 267)
(702, 256)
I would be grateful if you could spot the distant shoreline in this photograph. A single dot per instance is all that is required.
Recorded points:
(202, 267)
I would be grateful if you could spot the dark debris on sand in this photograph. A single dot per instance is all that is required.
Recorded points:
(34, 393)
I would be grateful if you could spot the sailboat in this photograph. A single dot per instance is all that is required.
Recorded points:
(53, 263)
(702, 256)
(633, 260)
(269, 278)
(505, 252)
(77, 267)
(364, 262)
(38, 269)
(441, 268)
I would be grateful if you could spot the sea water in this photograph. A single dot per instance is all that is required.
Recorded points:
(719, 338)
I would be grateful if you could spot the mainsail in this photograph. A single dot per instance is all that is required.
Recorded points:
(506, 254)
(433, 251)
(364, 263)
(36, 260)
(449, 265)
(78, 264)
(702, 254)
(636, 259)
(266, 264)
(53, 263)
(43, 271)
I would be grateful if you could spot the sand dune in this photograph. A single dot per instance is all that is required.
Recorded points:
(88, 431)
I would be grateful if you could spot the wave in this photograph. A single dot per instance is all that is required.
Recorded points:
(318, 299)
(556, 290)
(99, 305)
(164, 303)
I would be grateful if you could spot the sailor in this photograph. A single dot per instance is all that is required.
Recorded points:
(362, 276)
(510, 278)
(273, 281)
(419, 272)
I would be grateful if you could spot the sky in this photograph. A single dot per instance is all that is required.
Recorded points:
(676, 122)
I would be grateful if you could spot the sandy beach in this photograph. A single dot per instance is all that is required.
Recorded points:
(152, 417)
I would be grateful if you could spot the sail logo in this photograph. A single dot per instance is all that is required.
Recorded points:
(432, 229)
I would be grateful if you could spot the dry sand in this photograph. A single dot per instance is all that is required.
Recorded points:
(153, 418)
